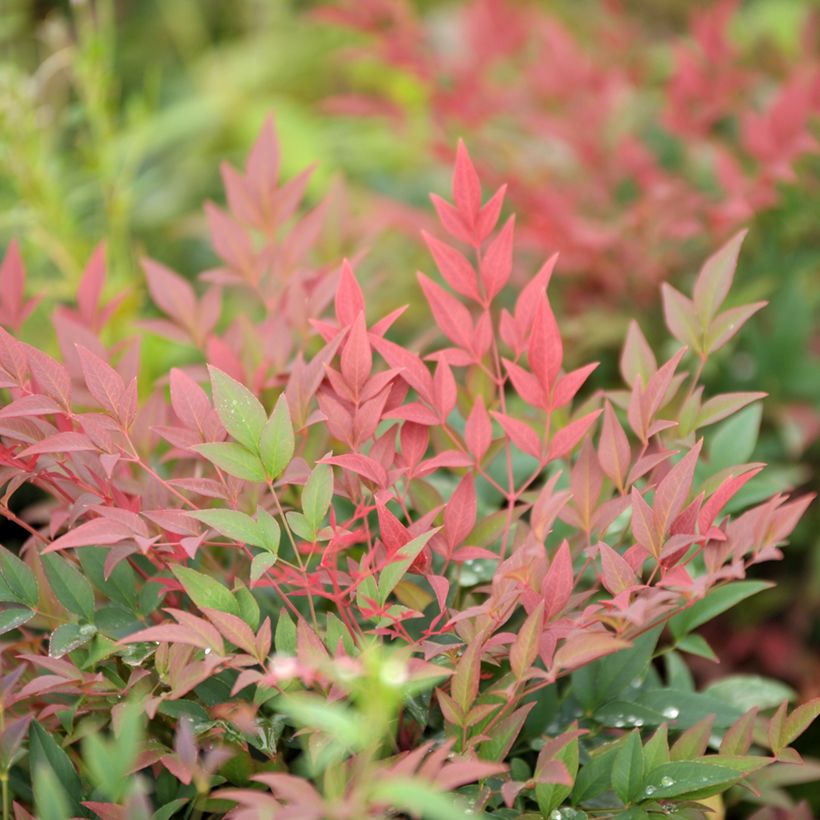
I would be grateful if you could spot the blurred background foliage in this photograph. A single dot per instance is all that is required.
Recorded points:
(115, 116)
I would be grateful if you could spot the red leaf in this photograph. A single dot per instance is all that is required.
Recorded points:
(171, 294)
(478, 430)
(51, 377)
(97, 532)
(614, 453)
(564, 441)
(522, 435)
(357, 358)
(91, 285)
(466, 186)
(546, 350)
(617, 574)
(721, 497)
(643, 524)
(456, 270)
(672, 492)
(558, 583)
(460, 513)
(524, 649)
(496, 266)
(444, 390)
(569, 384)
(103, 382)
(349, 297)
(451, 316)
(451, 220)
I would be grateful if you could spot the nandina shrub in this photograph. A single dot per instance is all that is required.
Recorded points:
(626, 143)
(363, 579)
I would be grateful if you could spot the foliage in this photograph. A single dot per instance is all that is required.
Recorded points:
(364, 578)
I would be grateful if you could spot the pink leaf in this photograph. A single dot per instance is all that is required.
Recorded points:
(496, 266)
(564, 441)
(456, 270)
(614, 453)
(558, 582)
(522, 435)
(466, 186)
(715, 279)
(478, 430)
(349, 297)
(617, 574)
(451, 316)
(460, 512)
(546, 350)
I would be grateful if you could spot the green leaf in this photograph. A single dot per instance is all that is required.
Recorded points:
(277, 442)
(656, 750)
(44, 753)
(713, 604)
(70, 586)
(119, 586)
(595, 776)
(688, 779)
(233, 524)
(234, 459)
(270, 534)
(167, 811)
(337, 721)
(604, 679)
(238, 409)
(110, 762)
(13, 617)
(735, 439)
(68, 637)
(656, 706)
(419, 798)
(205, 591)
(19, 579)
(696, 645)
(284, 638)
(747, 691)
(316, 496)
(400, 563)
(260, 564)
(551, 795)
(50, 799)
(627, 769)
(248, 608)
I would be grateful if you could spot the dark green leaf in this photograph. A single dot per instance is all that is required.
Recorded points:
(70, 586)
(627, 769)
(19, 579)
(68, 637)
(13, 617)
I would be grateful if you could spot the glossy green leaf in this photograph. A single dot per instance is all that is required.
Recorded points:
(205, 591)
(748, 691)
(238, 409)
(688, 779)
(233, 459)
(45, 753)
(628, 768)
(277, 442)
(715, 602)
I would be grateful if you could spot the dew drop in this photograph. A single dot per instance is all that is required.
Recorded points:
(639, 722)
(671, 712)
(555, 814)
(619, 724)
(650, 790)
(667, 781)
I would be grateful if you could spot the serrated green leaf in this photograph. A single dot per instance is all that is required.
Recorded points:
(238, 409)
(234, 459)
(13, 617)
(19, 579)
(277, 442)
(205, 591)
(70, 586)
